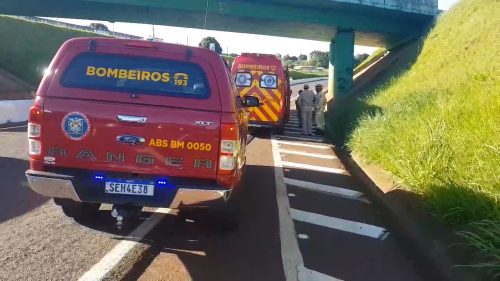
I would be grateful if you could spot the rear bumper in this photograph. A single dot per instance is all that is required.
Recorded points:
(259, 124)
(66, 186)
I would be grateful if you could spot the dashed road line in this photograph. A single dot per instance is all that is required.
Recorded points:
(111, 259)
(293, 263)
(312, 167)
(304, 144)
(344, 192)
(338, 224)
(308, 154)
(293, 129)
(290, 253)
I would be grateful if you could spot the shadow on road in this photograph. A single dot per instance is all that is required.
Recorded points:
(16, 198)
(193, 247)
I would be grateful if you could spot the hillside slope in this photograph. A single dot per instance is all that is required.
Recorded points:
(436, 126)
(26, 48)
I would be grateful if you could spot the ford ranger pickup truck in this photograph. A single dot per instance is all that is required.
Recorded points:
(136, 123)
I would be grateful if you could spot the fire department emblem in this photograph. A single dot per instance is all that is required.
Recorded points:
(75, 125)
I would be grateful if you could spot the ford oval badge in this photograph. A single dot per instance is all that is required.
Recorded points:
(130, 139)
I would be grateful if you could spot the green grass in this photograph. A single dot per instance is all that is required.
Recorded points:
(26, 48)
(229, 58)
(304, 75)
(486, 240)
(377, 54)
(436, 126)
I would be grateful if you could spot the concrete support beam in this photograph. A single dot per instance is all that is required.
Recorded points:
(341, 63)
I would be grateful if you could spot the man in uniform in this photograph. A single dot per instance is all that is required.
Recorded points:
(307, 101)
(297, 108)
(320, 108)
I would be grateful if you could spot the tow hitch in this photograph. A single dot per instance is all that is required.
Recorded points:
(124, 212)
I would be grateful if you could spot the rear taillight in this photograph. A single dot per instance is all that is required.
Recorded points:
(36, 114)
(35, 130)
(35, 147)
(229, 148)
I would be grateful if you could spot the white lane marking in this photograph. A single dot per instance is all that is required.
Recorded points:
(306, 274)
(303, 153)
(385, 235)
(293, 263)
(290, 253)
(298, 138)
(299, 133)
(303, 144)
(339, 224)
(303, 236)
(292, 129)
(111, 259)
(312, 167)
(325, 188)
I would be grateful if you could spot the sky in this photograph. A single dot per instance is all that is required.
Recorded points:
(232, 42)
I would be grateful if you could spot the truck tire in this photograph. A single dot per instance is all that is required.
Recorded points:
(78, 210)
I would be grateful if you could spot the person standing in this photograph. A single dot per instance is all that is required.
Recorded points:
(297, 108)
(320, 108)
(318, 88)
(306, 102)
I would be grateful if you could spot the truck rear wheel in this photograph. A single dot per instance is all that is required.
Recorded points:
(78, 210)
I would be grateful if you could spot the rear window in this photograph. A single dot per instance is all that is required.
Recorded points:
(136, 75)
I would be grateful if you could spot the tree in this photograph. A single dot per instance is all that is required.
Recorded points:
(294, 58)
(99, 26)
(205, 43)
(302, 57)
(286, 57)
(359, 58)
(319, 58)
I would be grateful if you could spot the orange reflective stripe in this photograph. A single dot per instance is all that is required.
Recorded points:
(270, 112)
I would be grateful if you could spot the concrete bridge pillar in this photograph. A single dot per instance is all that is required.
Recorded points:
(341, 66)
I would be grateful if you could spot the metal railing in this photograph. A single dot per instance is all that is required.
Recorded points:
(80, 27)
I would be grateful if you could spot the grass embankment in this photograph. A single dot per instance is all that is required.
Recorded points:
(26, 48)
(229, 59)
(376, 55)
(436, 127)
(304, 75)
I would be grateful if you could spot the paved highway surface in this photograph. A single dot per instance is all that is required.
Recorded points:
(301, 215)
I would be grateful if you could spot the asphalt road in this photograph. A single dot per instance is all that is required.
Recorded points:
(333, 234)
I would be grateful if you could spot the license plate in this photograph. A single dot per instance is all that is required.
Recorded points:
(130, 187)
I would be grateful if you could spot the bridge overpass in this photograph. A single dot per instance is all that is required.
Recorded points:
(344, 23)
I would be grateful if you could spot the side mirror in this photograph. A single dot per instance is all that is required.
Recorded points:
(250, 101)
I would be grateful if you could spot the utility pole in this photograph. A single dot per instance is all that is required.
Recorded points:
(153, 26)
